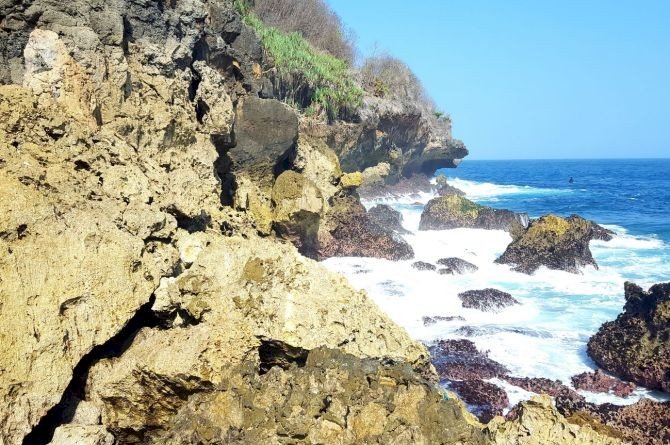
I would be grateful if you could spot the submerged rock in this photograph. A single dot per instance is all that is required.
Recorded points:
(635, 346)
(643, 423)
(537, 422)
(457, 265)
(539, 385)
(598, 381)
(453, 211)
(428, 321)
(461, 360)
(553, 242)
(422, 265)
(487, 300)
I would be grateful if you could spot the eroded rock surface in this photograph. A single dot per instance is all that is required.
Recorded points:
(598, 381)
(461, 360)
(487, 300)
(457, 265)
(553, 242)
(635, 346)
(454, 211)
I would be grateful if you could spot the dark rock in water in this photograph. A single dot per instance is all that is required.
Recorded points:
(539, 385)
(600, 382)
(643, 423)
(485, 399)
(551, 241)
(402, 187)
(460, 360)
(387, 217)
(445, 271)
(487, 300)
(422, 265)
(457, 265)
(601, 233)
(478, 331)
(347, 230)
(428, 321)
(636, 346)
(447, 189)
(453, 211)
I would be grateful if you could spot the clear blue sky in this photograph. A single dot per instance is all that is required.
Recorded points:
(534, 79)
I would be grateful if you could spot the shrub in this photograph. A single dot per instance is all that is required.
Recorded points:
(393, 77)
(327, 77)
(312, 19)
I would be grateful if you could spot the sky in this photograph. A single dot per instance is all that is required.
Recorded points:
(526, 79)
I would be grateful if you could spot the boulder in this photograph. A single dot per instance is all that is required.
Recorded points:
(460, 360)
(387, 217)
(598, 381)
(347, 230)
(453, 211)
(635, 346)
(429, 321)
(601, 233)
(554, 242)
(537, 422)
(487, 300)
(422, 265)
(643, 423)
(457, 265)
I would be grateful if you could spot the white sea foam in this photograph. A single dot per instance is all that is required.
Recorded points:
(544, 336)
(483, 190)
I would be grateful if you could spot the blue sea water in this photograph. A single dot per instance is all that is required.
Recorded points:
(546, 335)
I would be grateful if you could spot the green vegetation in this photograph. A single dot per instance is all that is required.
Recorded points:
(438, 114)
(328, 79)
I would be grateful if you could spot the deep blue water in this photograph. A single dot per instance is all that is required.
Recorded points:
(632, 193)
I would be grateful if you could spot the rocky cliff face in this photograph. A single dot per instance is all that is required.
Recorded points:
(147, 289)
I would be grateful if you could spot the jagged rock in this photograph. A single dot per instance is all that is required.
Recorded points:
(298, 205)
(643, 423)
(540, 385)
(598, 381)
(485, 399)
(422, 265)
(457, 265)
(236, 293)
(396, 187)
(538, 423)
(82, 435)
(601, 233)
(358, 401)
(553, 242)
(460, 360)
(347, 230)
(375, 177)
(445, 189)
(266, 131)
(453, 211)
(351, 180)
(387, 217)
(445, 271)
(428, 321)
(635, 346)
(487, 300)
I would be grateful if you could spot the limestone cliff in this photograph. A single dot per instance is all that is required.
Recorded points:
(148, 289)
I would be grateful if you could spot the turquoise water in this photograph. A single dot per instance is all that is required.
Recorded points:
(546, 335)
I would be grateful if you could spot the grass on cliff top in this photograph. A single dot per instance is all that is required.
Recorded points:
(330, 79)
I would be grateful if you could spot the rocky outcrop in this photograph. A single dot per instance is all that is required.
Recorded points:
(537, 422)
(422, 265)
(454, 211)
(635, 346)
(643, 423)
(393, 132)
(487, 300)
(358, 401)
(347, 230)
(457, 265)
(553, 242)
(598, 381)
(429, 321)
(539, 385)
(485, 399)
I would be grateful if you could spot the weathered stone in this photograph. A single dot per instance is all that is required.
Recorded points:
(485, 399)
(539, 385)
(460, 360)
(453, 211)
(387, 217)
(428, 321)
(635, 346)
(598, 381)
(457, 265)
(538, 423)
(553, 242)
(422, 265)
(82, 435)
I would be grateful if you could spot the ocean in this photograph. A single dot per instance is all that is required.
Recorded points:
(546, 335)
